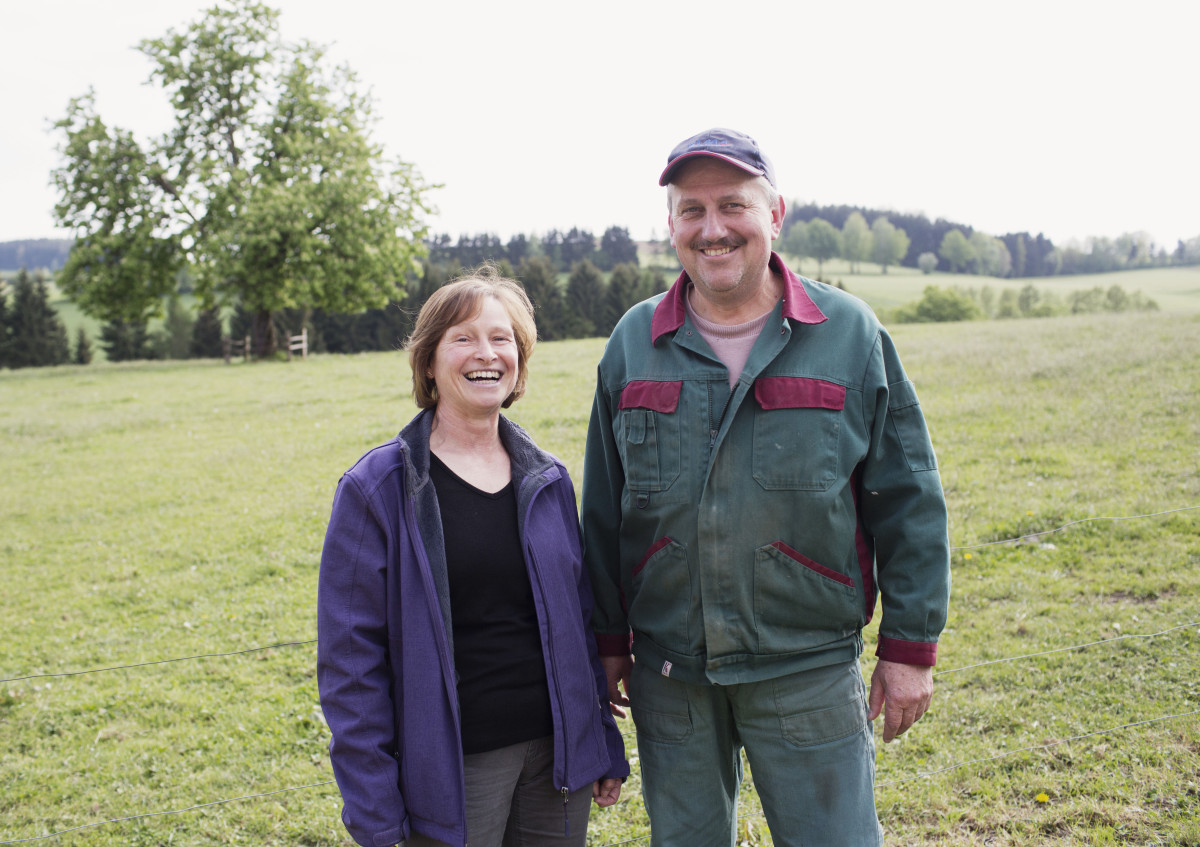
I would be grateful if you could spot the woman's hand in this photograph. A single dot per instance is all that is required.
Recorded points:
(606, 791)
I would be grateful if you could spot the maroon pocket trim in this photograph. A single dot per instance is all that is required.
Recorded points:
(797, 392)
(649, 394)
(654, 548)
(813, 566)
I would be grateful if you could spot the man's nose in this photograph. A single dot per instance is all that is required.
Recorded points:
(713, 227)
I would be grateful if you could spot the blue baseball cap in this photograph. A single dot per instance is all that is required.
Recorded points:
(736, 148)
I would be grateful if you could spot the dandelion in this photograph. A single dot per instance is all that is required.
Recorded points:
(1043, 798)
(968, 556)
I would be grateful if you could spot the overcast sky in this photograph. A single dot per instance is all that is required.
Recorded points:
(1068, 118)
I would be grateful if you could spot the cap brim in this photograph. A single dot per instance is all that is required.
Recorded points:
(680, 160)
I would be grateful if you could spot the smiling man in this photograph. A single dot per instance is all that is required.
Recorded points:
(758, 474)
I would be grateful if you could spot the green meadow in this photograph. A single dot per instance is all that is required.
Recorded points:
(166, 511)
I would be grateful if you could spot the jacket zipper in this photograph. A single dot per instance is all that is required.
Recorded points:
(548, 651)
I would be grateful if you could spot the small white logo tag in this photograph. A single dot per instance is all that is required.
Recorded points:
(666, 671)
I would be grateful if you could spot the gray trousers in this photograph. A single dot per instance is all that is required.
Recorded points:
(512, 801)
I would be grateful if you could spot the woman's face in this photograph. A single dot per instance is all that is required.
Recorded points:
(475, 362)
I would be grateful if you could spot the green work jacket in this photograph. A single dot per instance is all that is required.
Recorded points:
(743, 534)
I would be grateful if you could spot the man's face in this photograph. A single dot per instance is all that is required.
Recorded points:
(722, 221)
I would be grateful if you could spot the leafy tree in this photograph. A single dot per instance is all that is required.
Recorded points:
(540, 279)
(991, 255)
(1008, 307)
(823, 241)
(927, 262)
(956, 250)
(795, 241)
(621, 294)
(83, 348)
(268, 185)
(938, 305)
(888, 244)
(36, 336)
(585, 300)
(856, 240)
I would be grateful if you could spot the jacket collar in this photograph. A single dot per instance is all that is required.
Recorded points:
(526, 457)
(671, 310)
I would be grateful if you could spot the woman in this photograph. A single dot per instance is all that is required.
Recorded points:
(456, 665)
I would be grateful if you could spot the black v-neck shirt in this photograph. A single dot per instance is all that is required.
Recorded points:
(502, 690)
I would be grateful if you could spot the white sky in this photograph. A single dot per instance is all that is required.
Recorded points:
(1066, 117)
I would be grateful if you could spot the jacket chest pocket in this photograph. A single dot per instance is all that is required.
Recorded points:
(797, 430)
(648, 434)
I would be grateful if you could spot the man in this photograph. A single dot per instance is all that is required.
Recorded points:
(757, 469)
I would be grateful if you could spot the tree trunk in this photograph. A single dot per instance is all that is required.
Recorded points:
(264, 341)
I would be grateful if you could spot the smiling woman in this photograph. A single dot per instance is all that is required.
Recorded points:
(453, 608)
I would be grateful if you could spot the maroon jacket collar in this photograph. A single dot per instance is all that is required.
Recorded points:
(797, 305)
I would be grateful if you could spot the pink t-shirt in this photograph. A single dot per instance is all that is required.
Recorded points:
(731, 342)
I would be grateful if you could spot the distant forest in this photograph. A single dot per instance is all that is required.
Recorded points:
(1028, 255)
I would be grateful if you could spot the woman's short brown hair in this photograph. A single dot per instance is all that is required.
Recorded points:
(456, 302)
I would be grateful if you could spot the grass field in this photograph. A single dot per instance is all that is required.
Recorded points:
(154, 511)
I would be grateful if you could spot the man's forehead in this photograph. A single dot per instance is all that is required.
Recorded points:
(726, 180)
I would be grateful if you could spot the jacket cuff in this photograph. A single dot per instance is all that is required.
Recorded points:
(907, 652)
(614, 645)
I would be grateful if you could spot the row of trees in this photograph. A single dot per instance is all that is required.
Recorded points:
(562, 250)
(818, 239)
(1028, 255)
(586, 303)
(583, 305)
(968, 304)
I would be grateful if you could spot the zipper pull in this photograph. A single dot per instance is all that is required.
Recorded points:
(566, 820)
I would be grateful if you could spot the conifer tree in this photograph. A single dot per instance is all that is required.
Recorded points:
(4, 324)
(36, 335)
(585, 300)
(124, 341)
(540, 279)
(83, 348)
(206, 334)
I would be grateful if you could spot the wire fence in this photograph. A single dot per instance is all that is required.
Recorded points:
(920, 775)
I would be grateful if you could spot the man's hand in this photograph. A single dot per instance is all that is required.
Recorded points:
(606, 792)
(617, 669)
(906, 690)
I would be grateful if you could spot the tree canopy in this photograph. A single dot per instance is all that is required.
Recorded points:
(267, 186)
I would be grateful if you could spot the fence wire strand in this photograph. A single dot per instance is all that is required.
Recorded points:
(920, 775)
(1067, 649)
(1035, 535)
(171, 812)
(161, 661)
(1046, 746)
(1028, 537)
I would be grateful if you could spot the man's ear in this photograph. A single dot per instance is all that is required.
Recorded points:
(777, 216)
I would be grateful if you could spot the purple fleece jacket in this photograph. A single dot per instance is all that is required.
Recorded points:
(385, 665)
